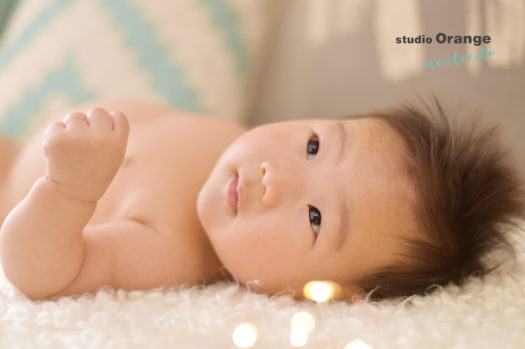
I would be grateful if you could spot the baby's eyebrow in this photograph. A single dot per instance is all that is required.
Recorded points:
(343, 221)
(342, 137)
(342, 206)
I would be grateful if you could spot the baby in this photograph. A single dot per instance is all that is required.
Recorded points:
(139, 196)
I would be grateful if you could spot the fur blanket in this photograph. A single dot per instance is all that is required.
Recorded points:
(488, 313)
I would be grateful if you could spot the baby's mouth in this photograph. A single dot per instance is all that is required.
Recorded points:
(232, 193)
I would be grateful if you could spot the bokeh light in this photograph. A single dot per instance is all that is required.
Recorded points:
(245, 335)
(298, 337)
(357, 344)
(302, 324)
(304, 321)
(322, 291)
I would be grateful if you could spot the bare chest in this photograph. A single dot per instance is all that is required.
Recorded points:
(167, 161)
(165, 166)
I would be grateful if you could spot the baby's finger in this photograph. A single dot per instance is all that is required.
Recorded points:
(75, 120)
(54, 128)
(100, 119)
(51, 135)
(121, 124)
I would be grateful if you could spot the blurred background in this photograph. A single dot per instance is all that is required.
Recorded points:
(339, 57)
(259, 61)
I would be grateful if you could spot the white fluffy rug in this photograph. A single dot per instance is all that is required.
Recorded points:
(482, 314)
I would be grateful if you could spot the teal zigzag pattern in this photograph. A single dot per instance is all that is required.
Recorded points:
(46, 16)
(63, 81)
(226, 21)
(168, 77)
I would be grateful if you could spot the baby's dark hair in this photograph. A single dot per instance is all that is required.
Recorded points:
(469, 194)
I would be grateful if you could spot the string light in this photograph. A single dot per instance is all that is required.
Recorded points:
(303, 320)
(322, 291)
(298, 337)
(357, 344)
(245, 335)
(302, 324)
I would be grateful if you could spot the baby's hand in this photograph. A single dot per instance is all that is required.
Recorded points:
(83, 153)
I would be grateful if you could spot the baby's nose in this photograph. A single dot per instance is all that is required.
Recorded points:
(276, 182)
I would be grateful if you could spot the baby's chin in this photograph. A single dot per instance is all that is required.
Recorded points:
(273, 288)
(257, 286)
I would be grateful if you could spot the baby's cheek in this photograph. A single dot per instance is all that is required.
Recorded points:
(255, 239)
(250, 245)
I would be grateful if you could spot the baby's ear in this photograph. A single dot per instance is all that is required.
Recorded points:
(353, 293)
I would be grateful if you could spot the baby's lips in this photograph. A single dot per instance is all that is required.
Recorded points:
(232, 194)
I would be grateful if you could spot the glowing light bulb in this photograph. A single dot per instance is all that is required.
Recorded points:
(357, 344)
(298, 337)
(302, 324)
(245, 335)
(304, 321)
(322, 291)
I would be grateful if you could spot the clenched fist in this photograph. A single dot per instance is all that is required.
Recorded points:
(85, 151)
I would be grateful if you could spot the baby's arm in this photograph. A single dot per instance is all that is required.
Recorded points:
(41, 242)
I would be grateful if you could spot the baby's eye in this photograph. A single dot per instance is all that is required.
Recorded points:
(315, 219)
(312, 146)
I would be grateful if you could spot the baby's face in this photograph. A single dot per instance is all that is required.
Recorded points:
(319, 200)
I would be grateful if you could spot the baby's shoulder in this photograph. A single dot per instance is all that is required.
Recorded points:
(139, 112)
(143, 111)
